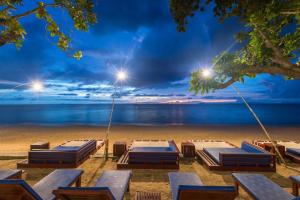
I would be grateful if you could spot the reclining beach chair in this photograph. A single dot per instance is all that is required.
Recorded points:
(19, 189)
(111, 185)
(188, 186)
(296, 184)
(11, 174)
(261, 188)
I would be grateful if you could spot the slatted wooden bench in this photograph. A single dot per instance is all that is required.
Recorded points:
(140, 195)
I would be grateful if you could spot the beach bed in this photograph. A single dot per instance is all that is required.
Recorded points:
(42, 190)
(230, 158)
(67, 155)
(150, 154)
(10, 174)
(188, 186)
(111, 185)
(291, 148)
(296, 184)
(261, 188)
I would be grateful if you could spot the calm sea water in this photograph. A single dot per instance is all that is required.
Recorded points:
(197, 114)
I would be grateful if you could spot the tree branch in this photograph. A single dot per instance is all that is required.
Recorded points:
(270, 70)
(294, 12)
(34, 10)
(279, 57)
(227, 83)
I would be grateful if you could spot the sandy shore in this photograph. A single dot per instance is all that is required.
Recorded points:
(16, 140)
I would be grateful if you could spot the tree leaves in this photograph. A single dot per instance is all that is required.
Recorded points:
(268, 44)
(77, 55)
(81, 12)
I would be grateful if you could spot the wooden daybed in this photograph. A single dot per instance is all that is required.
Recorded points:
(67, 155)
(247, 158)
(14, 189)
(188, 186)
(291, 148)
(150, 154)
(111, 185)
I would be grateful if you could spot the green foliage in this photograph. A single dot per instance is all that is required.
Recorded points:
(271, 39)
(81, 12)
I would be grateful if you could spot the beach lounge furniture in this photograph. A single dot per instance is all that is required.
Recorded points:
(42, 190)
(296, 184)
(188, 186)
(247, 158)
(142, 195)
(10, 174)
(150, 154)
(67, 155)
(189, 148)
(111, 185)
(261, 188)
(291, 148)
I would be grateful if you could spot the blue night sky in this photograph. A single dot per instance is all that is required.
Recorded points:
(139, 37)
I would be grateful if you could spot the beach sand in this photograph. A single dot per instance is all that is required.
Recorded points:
(15, 141)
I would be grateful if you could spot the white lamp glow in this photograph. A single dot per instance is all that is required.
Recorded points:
(121, 76)
(37, 86)
(206, 73)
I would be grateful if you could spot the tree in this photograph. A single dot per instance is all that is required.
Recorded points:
(12, 31)
(270, 42)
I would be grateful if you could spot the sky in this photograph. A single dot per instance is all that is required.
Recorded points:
(138, 37)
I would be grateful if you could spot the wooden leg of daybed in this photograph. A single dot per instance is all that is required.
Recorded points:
(295, 189)
(78, 182)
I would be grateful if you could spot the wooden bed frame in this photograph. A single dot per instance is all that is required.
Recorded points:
(60, 159)
(294, 158)
(213, 165)
(123, 162)
(204, 194)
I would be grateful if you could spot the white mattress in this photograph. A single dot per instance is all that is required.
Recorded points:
(199, 145)
(150, 144)
(290, 144)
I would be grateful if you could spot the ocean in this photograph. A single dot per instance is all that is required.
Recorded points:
(149, 114)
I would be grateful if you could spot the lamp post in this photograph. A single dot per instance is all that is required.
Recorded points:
(207, 73)
(120, 77)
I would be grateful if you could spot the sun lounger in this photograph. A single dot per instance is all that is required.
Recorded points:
(150, 154)
(247, 158)
(261, 188)
(188, 186)
(19, 189)
(10, 174)
(112, 185)
(292, 148)
(296, 184)
(67, 155)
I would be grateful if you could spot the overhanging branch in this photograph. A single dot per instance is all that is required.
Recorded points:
(34, 10)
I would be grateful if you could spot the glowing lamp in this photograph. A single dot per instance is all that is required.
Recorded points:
(37, 86)
(121, 76)
(206, 73)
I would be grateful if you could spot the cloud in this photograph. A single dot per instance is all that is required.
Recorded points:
(115, 16)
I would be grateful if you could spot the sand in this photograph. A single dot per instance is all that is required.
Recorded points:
(15, 141)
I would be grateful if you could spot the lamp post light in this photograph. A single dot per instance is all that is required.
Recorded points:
(120, 77)
(37, 86)
(207, 74)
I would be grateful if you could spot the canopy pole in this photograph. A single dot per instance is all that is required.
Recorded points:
(109, 125)
(261, 125)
